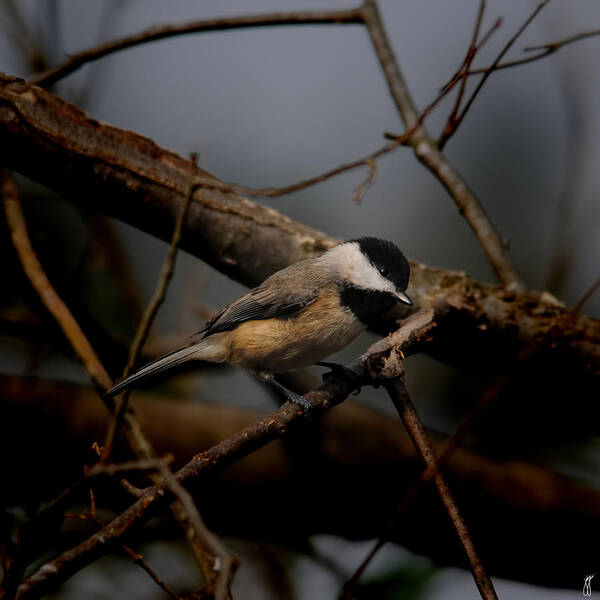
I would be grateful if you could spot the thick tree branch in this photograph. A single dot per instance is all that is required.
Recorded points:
(127, 176)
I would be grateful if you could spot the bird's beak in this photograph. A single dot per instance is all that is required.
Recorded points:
(403, 298)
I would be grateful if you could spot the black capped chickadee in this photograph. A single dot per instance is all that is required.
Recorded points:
(299, 315)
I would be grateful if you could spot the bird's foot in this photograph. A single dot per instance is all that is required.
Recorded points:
(341, 370)
(288, 394)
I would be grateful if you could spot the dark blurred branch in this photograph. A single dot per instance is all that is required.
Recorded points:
(34, 271)
(587, 296)
(226, 453)
(125, 175)
(145, 324)
(325, 17)
(428, 153)
(136, 439)
(224, 564)
(365, 477)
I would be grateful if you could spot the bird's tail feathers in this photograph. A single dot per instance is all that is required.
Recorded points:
(207, 350)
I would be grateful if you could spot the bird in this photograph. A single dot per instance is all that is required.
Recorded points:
(298, 316)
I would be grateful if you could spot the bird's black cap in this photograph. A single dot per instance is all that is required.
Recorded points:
(387, 258)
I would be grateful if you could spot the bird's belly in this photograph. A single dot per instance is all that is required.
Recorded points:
(280, 345)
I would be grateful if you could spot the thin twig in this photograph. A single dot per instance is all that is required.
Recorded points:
(35, 272)
(368, 161)
(148, 317)
(545, 50)
(585, 298)
(428, 153)
(464, 70)
(273, 192)
(138, 559)
(359, 192)
(401, 399)
(135, 557)
(229, 451)
(453, 122)
(33, 269)
(483, 404)
(144, 464)
(496, 62)
(224, 562)
(326, 17)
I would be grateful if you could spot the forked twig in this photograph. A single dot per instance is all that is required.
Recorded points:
(545, 50)
(429, 154)
(487, 72)
(224, 562)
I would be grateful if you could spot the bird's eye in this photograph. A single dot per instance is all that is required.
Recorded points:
(384, 272)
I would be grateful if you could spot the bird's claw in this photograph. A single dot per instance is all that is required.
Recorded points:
(342, 371)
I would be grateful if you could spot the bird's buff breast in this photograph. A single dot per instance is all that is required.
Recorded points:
(280, 345)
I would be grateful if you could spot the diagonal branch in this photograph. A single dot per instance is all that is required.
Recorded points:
(135, 437)
(429, 154)
(494, 65)
(401, 399)
(325, 17)
(143, 330)
(40, 282)
(210, 462)
(125, 175)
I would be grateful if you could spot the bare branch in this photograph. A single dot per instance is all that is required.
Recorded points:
(399, 395)
(165, 31)
(464, 69)
(48, 140)
(146, 323)
(429, 154)
(224, 454)
(586, 297)
(524, 497)
(138, 559)
(34, 271)
(359, 192)
(545, 50)
(224, 562)
(453, 121)
(493, 66)
(134, 434)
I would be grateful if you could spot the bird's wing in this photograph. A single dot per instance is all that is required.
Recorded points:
(269, 300)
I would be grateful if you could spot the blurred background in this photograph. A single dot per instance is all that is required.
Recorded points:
(271, 106)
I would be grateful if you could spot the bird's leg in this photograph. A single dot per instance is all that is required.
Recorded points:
(288, 394)
(337, 369)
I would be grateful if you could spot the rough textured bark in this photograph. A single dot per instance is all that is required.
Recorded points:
(123, 174)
